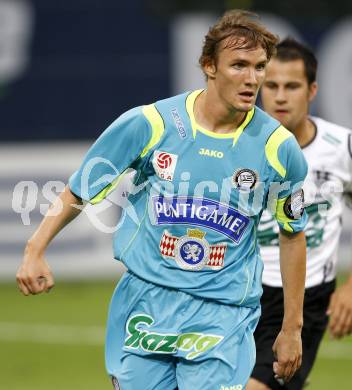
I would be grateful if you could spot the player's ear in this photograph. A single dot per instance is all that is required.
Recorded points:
(210, 69)
(313, 90)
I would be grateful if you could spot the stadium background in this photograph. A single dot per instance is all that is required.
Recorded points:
(67, 69)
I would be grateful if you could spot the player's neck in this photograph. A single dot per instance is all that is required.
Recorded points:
(305, 132)
(211, 114)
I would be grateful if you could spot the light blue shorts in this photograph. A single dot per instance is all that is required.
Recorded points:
(160, 339)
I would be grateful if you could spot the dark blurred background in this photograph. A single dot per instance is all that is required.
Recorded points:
(68, 68)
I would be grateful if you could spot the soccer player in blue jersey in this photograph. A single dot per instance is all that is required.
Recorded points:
(206, 164)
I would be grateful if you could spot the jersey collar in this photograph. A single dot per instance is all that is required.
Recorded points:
(196, 127)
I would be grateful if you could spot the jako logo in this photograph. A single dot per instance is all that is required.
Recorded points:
(235, 387)
(211, 153)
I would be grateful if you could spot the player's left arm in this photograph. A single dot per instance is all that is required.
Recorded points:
(292, 219)
(288, 344)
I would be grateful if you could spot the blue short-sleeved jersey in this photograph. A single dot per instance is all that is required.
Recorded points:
(201, 196)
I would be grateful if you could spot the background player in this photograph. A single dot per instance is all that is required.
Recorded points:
(188, 305)
(290, 86)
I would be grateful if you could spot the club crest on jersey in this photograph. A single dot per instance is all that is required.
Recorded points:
(164, 164)
(245, 179)
(294, 205)
(192, 251)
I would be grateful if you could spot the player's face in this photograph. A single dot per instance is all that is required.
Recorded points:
(237, 76)
(286, 94)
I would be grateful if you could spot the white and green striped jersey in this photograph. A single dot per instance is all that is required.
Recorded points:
(328, 184)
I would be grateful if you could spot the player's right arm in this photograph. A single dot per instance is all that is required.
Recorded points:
(34, 275)
(128, 139)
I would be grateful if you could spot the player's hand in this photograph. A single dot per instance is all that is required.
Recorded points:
(340, 311)
(287, 350)
(34, 275)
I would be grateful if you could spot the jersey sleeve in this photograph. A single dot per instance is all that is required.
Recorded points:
(291, 168)
(122, 143)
